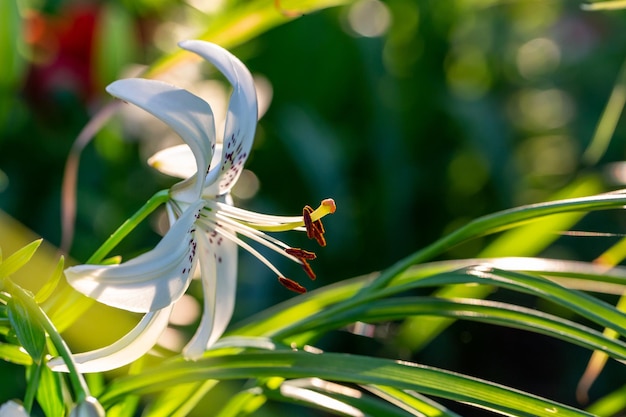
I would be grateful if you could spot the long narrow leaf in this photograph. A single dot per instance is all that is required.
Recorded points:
(581, 303)
(411, 401)
(343, 368)
(334, 398)
(494, 223)
(482, 311)
(581, 275)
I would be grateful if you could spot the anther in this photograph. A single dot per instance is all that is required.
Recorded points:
(307, 268)
(315, 229)
(291, 285)
(308, 222)
(301, 253)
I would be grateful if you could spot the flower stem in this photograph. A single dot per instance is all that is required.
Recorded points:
(67, 305)
(33, 384)
(155, 201)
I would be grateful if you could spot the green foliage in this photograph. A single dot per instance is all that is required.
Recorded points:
(453, 112)
(29, 333)
(49, 393)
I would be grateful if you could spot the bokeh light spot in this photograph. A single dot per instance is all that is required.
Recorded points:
(185, 312)
(247, 186)
(541, 110)
(369, 18)
(468, 74)
(538, 57)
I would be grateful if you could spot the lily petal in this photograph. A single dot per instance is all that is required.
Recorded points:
(218, 264)
(187, 114)
(150, 281)
(179, 161)
(129, 348)
(241, 119)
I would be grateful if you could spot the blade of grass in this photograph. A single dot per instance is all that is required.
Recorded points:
(333, 398)
(414, 403)
(583, 304)
(343, 368)
(484, 311)
(278, 318)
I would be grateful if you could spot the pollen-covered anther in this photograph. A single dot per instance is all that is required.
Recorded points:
(301, 253)
(307, 268)
(308, 222)
(314, 228)
(291, 285)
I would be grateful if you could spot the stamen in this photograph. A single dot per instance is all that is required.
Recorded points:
(291, 285)
(312, 220)
(303, 256)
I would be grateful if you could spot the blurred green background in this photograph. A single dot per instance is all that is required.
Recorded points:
(416, 116)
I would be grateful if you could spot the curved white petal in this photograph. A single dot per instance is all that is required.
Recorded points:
(241, 119)
(150, 281)
(218, 265)
(188, 115)
(176, 161)
(179, 161)
(129, 348)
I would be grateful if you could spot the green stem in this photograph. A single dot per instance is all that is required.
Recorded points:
(67, 305)
(79, 385)
(155, 201)
(33, 385)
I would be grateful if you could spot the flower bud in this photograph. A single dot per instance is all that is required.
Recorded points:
(90, 407)
(13, 409)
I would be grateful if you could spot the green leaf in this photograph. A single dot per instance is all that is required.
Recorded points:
(498, 222)
(14, 354)
(333, 398)
(236, 25)
(342, 368)
(581, 303)
(301, 319)
(610, 405)
(29, 332)
(527, 240)
(12, 45)
(410, 400)
(243, 403)
(125, 408)
(18, 259)
(477, 310)
(115, 42)
(179, 400)
(49, 287)
(49, 393)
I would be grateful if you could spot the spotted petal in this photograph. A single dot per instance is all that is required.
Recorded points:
(129, 348)
(241, 119)
(218, 265)
(150, 281)
(188, 115)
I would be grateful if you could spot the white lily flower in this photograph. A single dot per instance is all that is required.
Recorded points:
(205, 228)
